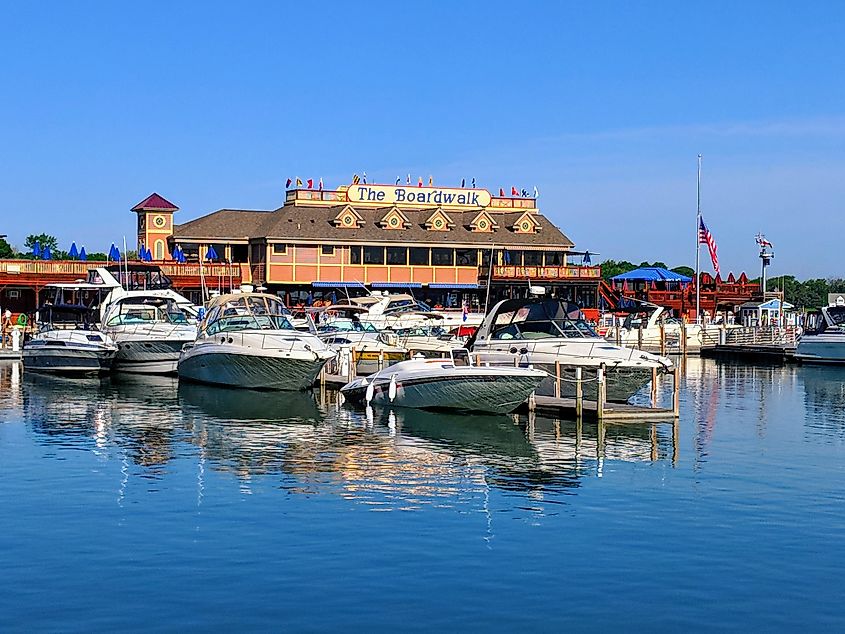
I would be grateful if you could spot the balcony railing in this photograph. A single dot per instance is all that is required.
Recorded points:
(592, 273)
(64, 268)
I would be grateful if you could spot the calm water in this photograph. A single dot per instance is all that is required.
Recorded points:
(136, 503)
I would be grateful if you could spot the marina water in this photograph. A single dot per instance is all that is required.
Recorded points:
(134, 502)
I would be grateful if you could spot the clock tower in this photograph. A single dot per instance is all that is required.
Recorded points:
(155, 224)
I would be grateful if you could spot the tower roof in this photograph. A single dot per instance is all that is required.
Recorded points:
(154, 202)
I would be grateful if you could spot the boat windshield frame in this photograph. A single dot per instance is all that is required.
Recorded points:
(536, 321)
(247, 313)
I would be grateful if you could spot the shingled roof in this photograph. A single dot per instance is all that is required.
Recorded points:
(292, 223)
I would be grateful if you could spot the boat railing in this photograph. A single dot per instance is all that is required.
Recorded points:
(160, 329)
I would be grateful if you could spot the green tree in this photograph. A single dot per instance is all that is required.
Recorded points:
(43, 240)
(6, 250)
(611, 268)
(684, 270)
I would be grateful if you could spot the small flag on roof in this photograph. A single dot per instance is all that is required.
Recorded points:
(310, 183)
(287, 183)
(298, 182)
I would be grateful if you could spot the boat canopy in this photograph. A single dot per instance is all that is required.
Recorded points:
(534, 319)
(651, 274)
(246, 311)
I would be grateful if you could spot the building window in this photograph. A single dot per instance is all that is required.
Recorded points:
(533, 258)
(554, 258)
(355, 255)
(418, 256)
(443, 257)
(327, 250)
(467, 257)
(159, 249)
(239, 253)
(280, 249)
(397, 255)
(373, 255)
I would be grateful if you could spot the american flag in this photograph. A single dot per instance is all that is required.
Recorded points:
(705, 237)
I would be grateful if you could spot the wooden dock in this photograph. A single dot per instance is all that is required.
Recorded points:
(7, 354)
(770, 353)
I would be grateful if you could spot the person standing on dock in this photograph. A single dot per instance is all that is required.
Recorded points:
(6, 333)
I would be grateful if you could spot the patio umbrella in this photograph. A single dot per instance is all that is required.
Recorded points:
(83, 257)
(112, 251)
(45, 254)
(36, 250)
(211, 254)
(73, 253)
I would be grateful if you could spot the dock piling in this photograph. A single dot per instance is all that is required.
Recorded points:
(654, 387)
(557, 378)
(579, 394)
(676, 392)
(640, 337)
(601, 397)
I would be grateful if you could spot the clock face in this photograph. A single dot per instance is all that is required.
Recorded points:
(159, 221)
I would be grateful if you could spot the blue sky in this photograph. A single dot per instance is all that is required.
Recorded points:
(602, 106)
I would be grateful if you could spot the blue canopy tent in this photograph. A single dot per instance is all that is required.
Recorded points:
(652, 274)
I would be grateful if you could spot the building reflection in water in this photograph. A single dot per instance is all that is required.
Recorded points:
(398, 459)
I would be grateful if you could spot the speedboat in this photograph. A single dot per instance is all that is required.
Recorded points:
(149, 329)
(431, 341)
(450, 384)
(825, 344)
(246, 340)
(544, 332)
(68, 343)
(341, 326)
(401, 310)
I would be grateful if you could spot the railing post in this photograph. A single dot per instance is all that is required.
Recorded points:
(579, 394)
(557, 379)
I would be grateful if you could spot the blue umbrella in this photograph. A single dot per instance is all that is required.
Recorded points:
(36, 250)
(587, 259)
(182, 257)
(211, 254)
(46, 253)
(148, 255)
(116, 255)
(73, 253)
(82, 255)
(111, 252)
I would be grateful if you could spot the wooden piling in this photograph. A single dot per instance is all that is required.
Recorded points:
(579, 394)
(601, 397)
(352, 369)
(662, 337)
(640, 337)
(381, 359)
(676, 392)
(683, 342)
(654, 387)
(557, 379)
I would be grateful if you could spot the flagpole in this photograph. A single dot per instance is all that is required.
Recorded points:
(698, 247)
(489, 277)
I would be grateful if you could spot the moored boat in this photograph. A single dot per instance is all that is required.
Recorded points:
(825, 344)
(547, 332)
(68, 343)
(247, 341)
(448, 384)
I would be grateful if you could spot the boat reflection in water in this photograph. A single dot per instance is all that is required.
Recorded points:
(307, 443)
(824, 402)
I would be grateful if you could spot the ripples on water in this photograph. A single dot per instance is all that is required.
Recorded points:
(224, 508)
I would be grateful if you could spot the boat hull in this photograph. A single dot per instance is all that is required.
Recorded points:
(67, 360)
(472, 393)
(148, 356)
(827, 348)
(250, 371)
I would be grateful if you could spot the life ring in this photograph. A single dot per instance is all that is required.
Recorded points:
(21, 319)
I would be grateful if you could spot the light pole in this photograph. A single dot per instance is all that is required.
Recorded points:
(767, 254)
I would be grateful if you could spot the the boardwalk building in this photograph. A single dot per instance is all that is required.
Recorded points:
(434, 242)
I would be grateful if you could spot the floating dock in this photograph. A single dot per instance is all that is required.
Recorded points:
(771, 353)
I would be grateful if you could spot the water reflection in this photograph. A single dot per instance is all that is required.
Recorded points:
(824, 401)
(310, 443)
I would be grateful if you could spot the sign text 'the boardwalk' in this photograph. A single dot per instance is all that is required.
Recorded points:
(398, 195)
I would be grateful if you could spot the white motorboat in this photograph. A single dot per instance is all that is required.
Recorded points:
(826, 343)
(542, 332)
(246, 340)
(341, 326)
(68, 343)
(431, 341)
(149, 329)
(401, 310)
(450, 384)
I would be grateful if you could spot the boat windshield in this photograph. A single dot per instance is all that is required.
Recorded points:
(147, 311)
(347, 325)
(540, 320)
(247, 313)
(835, 317)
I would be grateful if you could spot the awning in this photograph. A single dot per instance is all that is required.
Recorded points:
(334, 284)
(396, 285)
(651, 274)
(453, 285)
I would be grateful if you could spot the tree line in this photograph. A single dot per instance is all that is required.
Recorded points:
(8, 252)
